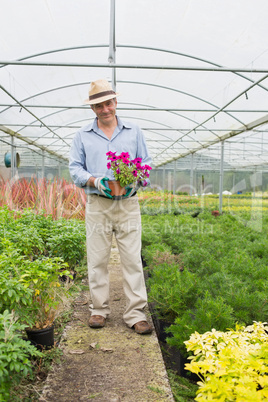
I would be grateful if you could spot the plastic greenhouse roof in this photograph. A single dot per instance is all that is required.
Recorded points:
(190, 73)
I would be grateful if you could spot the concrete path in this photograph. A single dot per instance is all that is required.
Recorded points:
(111, 364)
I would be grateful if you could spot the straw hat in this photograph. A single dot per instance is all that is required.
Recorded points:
(100, 91)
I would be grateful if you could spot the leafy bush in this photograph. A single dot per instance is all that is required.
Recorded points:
(68, 241)
(15, 354)
(232, 365)
(171, 290)
(224, 278)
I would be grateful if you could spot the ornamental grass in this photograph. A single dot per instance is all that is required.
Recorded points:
(57, 198)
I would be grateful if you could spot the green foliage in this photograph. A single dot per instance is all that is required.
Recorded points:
(31, 288)
(206, 314)
(15, 354)
(205, 272)
(68, 241)
(171, 289)
(35, 251)
(183, 389)
(232, 365)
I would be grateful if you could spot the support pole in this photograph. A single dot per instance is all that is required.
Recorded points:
(221, 176)
(163, 183)
(59, 170)
(174, 178)
(12, 165)
(43, 164)
(112, 48)
(192, 175)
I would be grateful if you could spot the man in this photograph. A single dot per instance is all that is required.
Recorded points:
(106, 216)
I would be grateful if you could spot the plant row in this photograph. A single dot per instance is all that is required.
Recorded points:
(37, 255)
(205, 272)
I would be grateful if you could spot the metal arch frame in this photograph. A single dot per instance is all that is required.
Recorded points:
(127, 82)
(145, 109)
(131, 47)
(111, 56)
(19, 103)
(239, 150)
(140, 83)
(30, 142)
(131, 82)
(31, 150)
(137, 66)
(129, 117)
(177, 53)
(140, 104)
(245, 128)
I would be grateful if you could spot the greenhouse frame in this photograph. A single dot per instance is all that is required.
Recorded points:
(192, 75)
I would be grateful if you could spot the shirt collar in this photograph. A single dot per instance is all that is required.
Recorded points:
(94, 126)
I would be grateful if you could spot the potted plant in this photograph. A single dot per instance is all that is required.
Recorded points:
(126, 172)
(42, 276)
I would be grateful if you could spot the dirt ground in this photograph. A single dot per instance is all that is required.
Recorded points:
(110, 364)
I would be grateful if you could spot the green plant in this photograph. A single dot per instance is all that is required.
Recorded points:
(232, 365)
(15, 354)
(68, 241)
(31, 288)
(42, 276)
(183, 389)
(224, 278)
(206, 313)
(13, 294)
(171, 290)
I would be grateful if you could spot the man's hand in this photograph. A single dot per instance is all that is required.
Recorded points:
(130, 189)
(99, 184)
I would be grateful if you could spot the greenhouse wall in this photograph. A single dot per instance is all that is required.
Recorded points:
(206, 181)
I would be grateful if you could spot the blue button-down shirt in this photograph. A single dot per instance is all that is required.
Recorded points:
(90, 145)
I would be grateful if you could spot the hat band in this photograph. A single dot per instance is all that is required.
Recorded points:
(101, 94)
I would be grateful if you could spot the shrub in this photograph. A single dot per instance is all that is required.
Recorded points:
(232, 365)
(68, 241)
(15, 354)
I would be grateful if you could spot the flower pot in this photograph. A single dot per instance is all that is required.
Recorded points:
(44, 338)
(117, 191)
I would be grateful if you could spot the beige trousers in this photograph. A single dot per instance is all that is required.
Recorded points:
(105, 217)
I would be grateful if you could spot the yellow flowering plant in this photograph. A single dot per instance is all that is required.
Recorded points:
(232, 365)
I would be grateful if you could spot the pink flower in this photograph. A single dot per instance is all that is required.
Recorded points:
(136, 160)
(125, 169)
(110, 153)
(125, 155)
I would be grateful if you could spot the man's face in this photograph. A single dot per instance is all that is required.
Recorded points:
(105, 111)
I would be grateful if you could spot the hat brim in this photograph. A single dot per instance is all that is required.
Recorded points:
(101, 99)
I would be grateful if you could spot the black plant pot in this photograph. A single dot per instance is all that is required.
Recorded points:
(43, 338)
